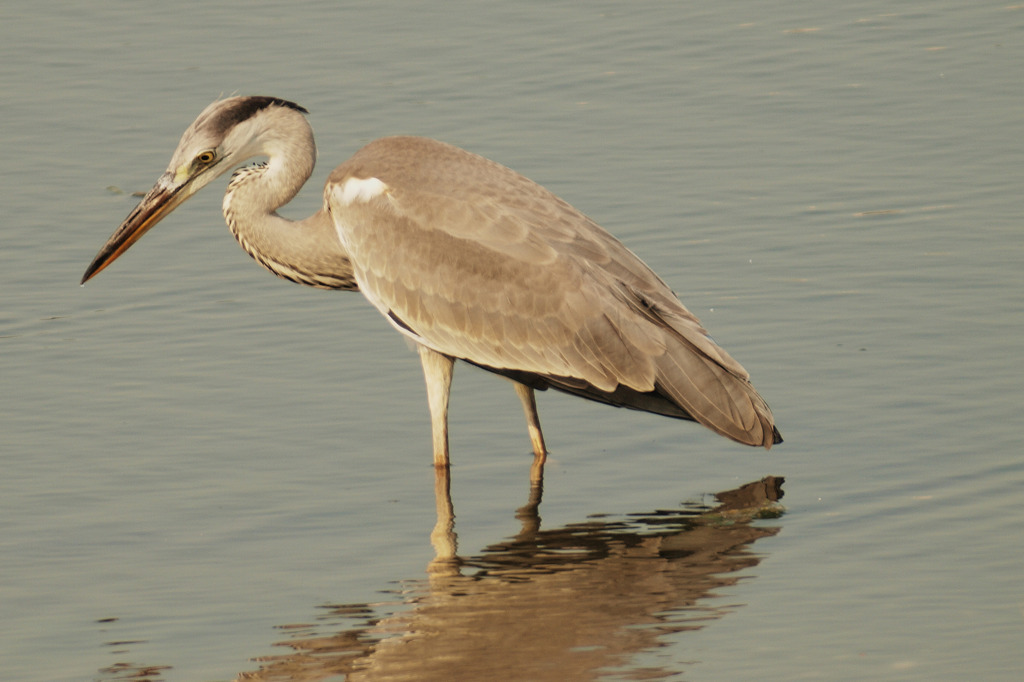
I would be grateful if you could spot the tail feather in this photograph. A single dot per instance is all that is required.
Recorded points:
(666, 400)
(717, 398)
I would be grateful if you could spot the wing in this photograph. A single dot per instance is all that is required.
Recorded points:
(478, 262)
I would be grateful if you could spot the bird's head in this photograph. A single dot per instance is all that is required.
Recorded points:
(224, 135)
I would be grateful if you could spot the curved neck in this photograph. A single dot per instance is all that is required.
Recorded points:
(306, 251)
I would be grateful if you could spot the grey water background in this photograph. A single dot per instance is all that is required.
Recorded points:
(197, 456)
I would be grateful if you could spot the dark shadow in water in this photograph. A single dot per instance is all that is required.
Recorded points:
(572, 603)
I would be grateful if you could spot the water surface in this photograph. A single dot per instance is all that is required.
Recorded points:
(197, 455)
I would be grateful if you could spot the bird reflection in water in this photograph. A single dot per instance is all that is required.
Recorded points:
(572, 603)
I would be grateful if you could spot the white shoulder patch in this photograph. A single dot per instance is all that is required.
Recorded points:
(359, 190)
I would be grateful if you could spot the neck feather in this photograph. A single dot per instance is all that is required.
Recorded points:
(306, 251)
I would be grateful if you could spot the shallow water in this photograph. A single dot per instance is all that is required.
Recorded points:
(200, 461)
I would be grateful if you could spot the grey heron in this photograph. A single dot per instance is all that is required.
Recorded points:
(470, 260)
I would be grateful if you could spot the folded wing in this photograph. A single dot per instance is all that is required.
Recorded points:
(478, 262)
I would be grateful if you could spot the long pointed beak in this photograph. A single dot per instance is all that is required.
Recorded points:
(165, 196)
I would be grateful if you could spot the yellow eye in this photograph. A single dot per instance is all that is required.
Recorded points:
(206, 158)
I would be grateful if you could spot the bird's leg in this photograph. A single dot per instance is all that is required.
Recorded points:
(437, 370)
(443, 538)
(540, 451)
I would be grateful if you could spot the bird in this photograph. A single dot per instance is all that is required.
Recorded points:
(469, 259)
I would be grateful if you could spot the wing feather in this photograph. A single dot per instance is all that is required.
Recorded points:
(482, 264)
